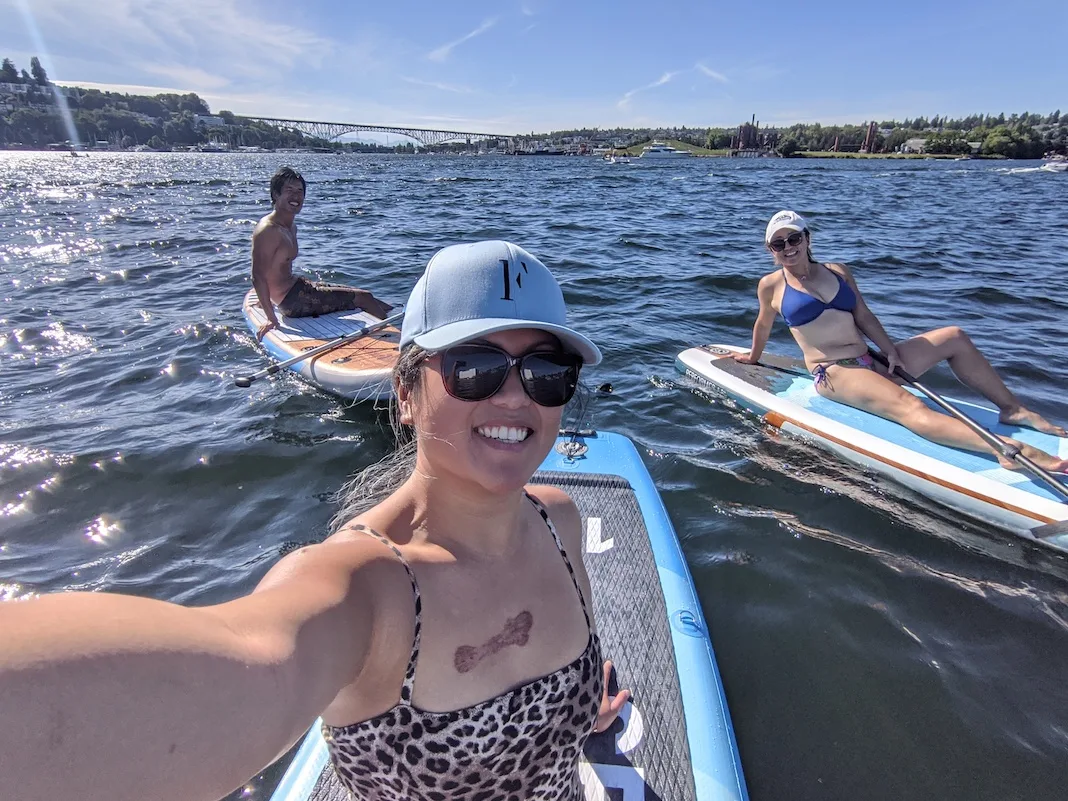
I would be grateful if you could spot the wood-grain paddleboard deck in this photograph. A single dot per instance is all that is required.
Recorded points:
(357, 370)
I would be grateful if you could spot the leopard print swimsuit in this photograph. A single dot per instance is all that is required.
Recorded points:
(523, 744)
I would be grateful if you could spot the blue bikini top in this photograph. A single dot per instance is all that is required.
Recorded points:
(799, 308)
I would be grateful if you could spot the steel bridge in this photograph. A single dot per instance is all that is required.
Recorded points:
(333, 130)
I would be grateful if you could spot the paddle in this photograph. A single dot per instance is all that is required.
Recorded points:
(994, 441)
(246, 380)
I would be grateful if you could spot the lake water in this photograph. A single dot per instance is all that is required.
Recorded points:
(872, 644)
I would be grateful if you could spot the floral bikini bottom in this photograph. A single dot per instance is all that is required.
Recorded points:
(820, 373)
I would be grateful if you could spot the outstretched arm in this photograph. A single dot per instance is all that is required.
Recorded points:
(268, 258)
(764, 321)
(113, 697)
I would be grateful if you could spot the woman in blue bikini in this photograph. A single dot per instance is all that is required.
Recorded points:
(830, 322)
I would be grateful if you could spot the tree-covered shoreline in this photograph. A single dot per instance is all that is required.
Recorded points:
(31, 117)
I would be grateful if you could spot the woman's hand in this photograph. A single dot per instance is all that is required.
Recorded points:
(893, 360)
(610, 707)
(744, 358)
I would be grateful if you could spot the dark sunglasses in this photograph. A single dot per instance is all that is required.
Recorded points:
(477, 372)
(779, 245)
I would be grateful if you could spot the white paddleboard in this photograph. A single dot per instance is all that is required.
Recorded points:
(358, 370)
(781, 391)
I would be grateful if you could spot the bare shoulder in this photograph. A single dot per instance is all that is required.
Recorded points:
(560, 508)
(567, 521)
(769, 285)
(770, 281)
(267, 231)
(839, 268)
(347, 558)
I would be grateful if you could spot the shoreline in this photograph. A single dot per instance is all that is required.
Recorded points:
(706, 154)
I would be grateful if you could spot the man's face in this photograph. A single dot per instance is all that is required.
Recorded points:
(291, 198)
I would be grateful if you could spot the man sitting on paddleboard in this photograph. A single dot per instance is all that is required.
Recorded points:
(830, 320)
(274, 246)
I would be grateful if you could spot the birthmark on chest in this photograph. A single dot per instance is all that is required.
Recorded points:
(516, 632)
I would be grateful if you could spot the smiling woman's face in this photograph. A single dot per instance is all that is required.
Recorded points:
(496, 443)
(794, 247)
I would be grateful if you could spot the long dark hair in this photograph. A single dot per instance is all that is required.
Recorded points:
(378, 481)
(808, 247)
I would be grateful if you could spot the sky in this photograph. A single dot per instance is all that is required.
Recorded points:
(522, 66)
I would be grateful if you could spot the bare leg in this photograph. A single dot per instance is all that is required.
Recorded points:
(875, 393)
(953, 345)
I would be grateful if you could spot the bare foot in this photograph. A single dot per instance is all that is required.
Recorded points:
(1041, 458)
(1028, 419)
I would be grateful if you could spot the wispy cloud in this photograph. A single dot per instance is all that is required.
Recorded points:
(194, 36)
(663, 79)
(667, 77)
(715, 76)
(445, 87)
(527, 9)
(442, 53)
(186, 76)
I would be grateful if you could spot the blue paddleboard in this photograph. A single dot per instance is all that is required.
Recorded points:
(674, 740)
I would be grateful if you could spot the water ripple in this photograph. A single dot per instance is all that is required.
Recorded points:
(855, 622)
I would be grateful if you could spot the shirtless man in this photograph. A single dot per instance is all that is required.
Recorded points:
(831, 322)
(274, 246)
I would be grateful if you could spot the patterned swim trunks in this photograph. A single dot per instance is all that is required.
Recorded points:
(308, 299)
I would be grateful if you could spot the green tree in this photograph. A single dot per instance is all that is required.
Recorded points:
(788, 147)
(36, 127)
(149, 106)
(39, 74)
(8, 73)
(180, 130)
(24, 77)
(948, 142)
(93, 99)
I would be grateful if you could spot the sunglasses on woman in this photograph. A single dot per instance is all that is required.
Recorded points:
(794, 239)
(477, 372)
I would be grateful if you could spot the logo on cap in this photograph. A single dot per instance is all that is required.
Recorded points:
(508, 280)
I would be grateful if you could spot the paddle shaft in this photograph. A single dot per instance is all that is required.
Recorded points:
(245, 381)
(993, 440)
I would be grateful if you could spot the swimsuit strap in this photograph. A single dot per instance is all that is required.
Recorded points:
(409, 674)
(560, 546)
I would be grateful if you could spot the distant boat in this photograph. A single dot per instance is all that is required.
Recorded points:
(1055, 162)
(612, 159)
(658, 150)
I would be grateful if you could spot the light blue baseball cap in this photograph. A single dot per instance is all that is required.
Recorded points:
(470, 290)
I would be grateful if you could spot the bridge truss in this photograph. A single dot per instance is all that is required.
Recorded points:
(334, 130)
